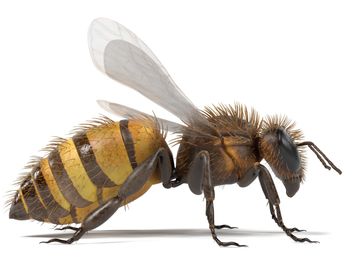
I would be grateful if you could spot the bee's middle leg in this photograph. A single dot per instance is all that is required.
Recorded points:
(271, 194)
(199, 180)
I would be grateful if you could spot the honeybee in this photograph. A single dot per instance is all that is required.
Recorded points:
(106, 164)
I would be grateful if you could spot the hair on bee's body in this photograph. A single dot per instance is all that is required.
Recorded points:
(106, 164)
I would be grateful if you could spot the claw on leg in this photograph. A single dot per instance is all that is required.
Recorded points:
(57, 240)
(67, 228)
(296, 230)
(77, 235)
(289, 232)
(277, 216)
(224, 244)
(297, 239)
(227, 244)
(224, 226)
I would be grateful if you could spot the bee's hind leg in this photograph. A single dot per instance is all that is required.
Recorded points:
(133, 183)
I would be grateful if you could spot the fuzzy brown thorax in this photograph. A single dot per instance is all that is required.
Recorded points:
(231, 143)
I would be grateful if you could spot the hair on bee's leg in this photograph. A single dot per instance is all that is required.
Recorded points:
(271, 194)
(133, 183)
(199, 179)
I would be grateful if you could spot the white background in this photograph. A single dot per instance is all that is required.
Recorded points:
(298, 58)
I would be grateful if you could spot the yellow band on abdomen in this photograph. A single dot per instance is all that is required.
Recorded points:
(53, 187)
(76, 172)
(110, 152)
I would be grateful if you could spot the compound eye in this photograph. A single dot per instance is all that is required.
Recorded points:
(288, 151)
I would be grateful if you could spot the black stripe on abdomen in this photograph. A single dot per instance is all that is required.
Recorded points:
(35, 207)
(88, 159)
(54, 210)
(128, 142)
(64, 182)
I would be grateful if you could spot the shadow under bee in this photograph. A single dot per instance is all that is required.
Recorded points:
(167, 233)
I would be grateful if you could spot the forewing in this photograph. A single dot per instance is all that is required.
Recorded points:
(121, 55)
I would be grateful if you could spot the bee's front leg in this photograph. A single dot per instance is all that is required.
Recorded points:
(271, 194)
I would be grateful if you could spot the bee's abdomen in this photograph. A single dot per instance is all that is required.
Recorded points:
(84, 171)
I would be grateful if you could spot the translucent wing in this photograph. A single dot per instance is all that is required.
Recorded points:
(130, 113)
(127, 112)
(121, 55)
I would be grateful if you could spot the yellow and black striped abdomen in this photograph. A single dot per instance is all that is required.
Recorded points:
(85, 171)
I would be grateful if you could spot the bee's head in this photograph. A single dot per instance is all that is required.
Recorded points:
(278, 146)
